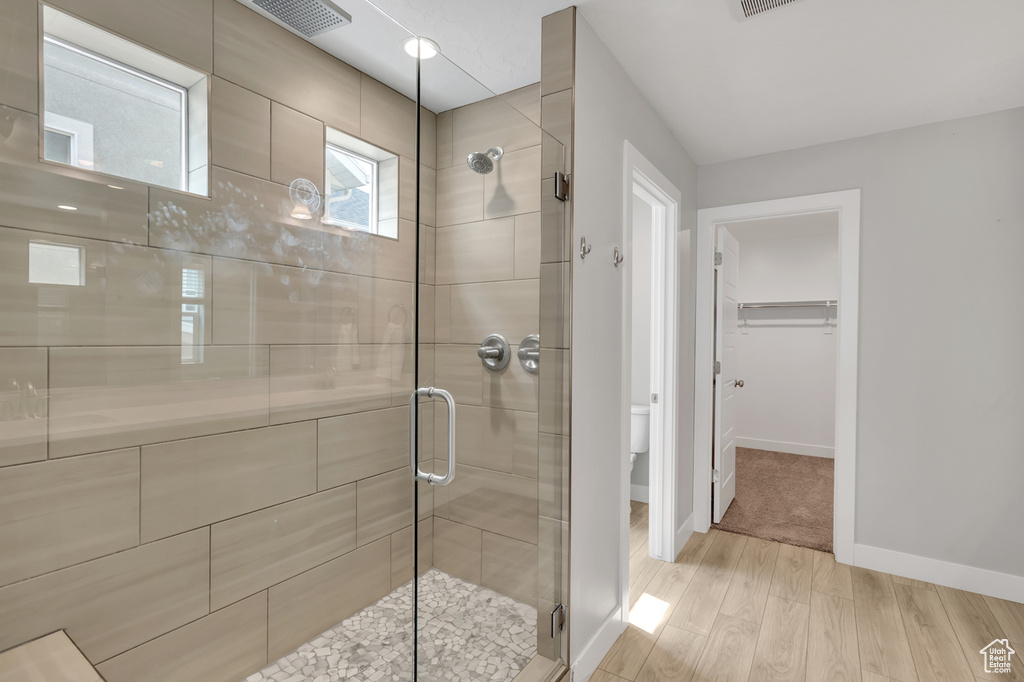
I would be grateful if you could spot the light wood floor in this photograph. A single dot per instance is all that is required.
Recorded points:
(742, 609)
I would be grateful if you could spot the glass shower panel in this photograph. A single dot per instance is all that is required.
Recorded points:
(204, 395)
(485, 604)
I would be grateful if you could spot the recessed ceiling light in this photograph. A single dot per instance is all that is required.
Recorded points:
(424, 48)
(65, 207)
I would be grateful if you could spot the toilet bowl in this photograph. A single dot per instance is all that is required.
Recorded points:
(639, 432)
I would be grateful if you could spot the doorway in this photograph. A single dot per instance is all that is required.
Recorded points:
(649, 362)
(714, 455)
(778, 286)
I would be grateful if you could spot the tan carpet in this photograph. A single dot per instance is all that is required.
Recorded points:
(782, 497)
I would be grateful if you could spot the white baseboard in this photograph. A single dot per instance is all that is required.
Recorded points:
(791, 448)
(968, 578)
(639, 493)
(599, 645)
(683, 533)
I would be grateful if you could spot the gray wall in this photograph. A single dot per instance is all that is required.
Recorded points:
(940, 429)
(609, 111)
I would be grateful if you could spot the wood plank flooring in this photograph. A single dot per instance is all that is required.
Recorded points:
(741, 609)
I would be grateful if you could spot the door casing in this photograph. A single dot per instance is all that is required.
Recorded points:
(641, 176)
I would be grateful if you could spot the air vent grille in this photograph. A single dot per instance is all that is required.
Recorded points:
(308, 17)
(751, 8)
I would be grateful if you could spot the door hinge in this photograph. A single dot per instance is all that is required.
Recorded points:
(562, 186)
(557, 619)
(654, 398)
(718, 257)
(716, 475)
(718, 367)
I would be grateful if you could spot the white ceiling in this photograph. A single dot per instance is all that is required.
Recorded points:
(497, 42)
(813, 72)
(810, 227)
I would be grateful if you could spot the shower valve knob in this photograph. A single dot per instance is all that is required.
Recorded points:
(494, 352)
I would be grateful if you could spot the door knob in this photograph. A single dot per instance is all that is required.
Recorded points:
(738, 383)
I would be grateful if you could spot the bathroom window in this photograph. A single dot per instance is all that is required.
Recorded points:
(114, 107)
(360, 187)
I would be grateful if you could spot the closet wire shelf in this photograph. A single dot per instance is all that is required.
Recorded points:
(830, 306)
(789, 304)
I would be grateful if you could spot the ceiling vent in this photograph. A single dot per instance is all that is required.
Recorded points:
(308, 17)
(745, 9)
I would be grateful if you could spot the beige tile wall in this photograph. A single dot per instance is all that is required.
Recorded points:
(488, 281)
(192, 519)
(151, 492)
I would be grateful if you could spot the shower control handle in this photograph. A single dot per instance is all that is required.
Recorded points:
(494, 352)
(529, 353)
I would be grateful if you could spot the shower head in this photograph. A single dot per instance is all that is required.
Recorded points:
(483, 162)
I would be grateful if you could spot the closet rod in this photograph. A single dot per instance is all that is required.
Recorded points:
(791, 304)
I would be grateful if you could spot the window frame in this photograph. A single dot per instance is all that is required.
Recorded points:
(181, 91)
(374, 223)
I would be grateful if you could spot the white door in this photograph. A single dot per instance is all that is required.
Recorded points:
(726, 316)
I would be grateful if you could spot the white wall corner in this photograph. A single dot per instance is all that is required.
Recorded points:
(683, 533)
(958, 576)
(599, 645)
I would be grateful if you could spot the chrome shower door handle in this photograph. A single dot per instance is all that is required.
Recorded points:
(432, 479)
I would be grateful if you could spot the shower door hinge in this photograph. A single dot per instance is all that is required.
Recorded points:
(718, 367)
(557, 619)
(718, 257)
(716, 475)
(562, 186)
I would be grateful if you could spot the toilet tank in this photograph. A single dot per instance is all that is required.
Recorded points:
(640, 428)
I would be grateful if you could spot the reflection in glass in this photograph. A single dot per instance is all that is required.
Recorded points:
(60, 264)
(193, 288)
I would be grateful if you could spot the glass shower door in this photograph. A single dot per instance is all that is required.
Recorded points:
(490, 518)
(207, 358)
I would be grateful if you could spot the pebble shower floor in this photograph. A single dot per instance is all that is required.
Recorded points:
(467, 633)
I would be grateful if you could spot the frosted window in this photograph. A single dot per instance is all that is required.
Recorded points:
(138, 122)
(118, 108)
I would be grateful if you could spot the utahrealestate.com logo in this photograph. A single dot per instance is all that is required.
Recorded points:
(997, 656)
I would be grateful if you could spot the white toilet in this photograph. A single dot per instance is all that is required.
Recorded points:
(639, 432)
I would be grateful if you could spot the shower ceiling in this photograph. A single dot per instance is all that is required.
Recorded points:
(373, 43)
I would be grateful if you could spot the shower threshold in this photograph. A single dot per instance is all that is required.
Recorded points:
(466, 633)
